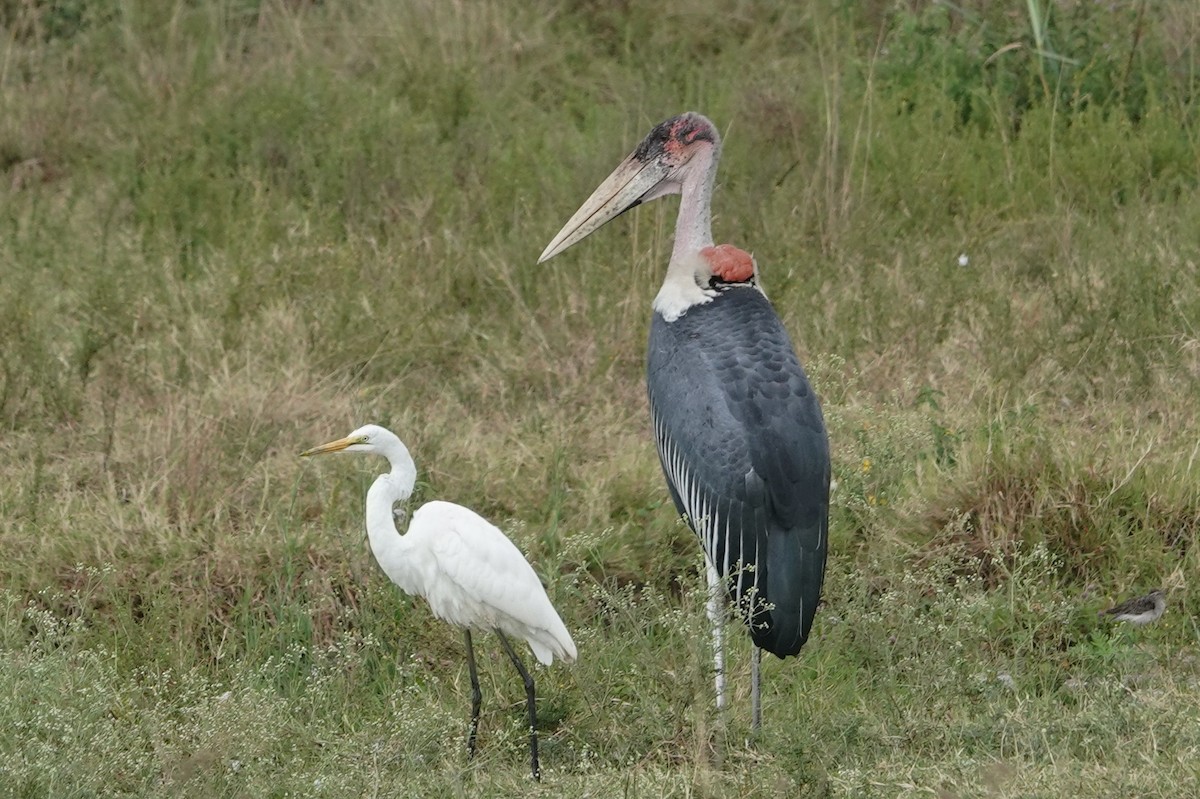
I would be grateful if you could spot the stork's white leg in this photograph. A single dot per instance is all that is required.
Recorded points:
(716, 616)
(755, 692)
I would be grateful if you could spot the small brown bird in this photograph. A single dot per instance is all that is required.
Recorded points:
(1140, 610)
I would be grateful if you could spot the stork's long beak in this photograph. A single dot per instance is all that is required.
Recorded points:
(332, 446)
(619, 192)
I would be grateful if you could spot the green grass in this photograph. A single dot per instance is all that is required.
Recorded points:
(232, 230)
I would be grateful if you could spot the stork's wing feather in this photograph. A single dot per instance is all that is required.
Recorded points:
(746, 456)
(476, 577)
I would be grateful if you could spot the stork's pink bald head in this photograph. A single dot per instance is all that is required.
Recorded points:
(675, 139)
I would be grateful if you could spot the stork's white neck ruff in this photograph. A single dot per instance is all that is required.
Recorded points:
(685, 286)
(689, 278)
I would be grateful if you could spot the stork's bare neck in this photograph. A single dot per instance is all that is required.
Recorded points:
(693, 148)
(697, 266)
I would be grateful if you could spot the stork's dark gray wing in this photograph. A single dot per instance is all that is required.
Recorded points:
(746, 456)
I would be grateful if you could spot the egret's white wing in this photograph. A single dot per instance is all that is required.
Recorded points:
(474, 576)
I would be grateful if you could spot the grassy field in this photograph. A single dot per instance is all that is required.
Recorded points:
(231, 230)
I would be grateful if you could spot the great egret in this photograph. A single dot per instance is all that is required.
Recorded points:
(468, 571)
(739, 430)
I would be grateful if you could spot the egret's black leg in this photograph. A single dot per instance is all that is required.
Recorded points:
(476, 694)
(530, 698)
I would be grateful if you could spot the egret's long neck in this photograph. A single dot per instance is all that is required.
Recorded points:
(387, 544)
(689, 271)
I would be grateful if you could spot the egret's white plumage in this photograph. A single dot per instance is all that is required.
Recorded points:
(468, 571)
(473, 576)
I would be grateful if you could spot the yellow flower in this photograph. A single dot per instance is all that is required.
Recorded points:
(866, 466)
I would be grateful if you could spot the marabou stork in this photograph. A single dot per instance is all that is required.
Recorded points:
(739, 430)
